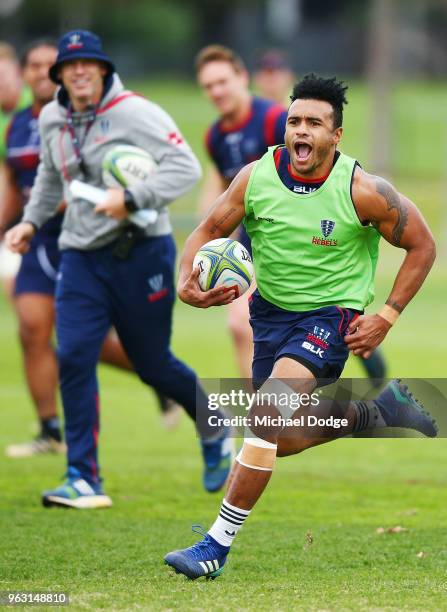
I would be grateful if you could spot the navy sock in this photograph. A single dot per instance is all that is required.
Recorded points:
(51, 428)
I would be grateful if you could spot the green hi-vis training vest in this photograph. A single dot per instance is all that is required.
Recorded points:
(309, 250)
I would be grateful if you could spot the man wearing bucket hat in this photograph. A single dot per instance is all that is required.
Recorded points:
(111, 272)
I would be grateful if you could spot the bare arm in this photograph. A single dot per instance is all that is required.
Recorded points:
(11, 202)
(213, 186)
(400, 222)
(223, 218)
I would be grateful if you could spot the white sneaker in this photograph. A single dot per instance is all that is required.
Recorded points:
(76, 493)
(42, 445)
(171, 415)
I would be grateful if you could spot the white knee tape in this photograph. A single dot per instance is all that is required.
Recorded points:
(240, 460)
(257, 454)
(259, 442)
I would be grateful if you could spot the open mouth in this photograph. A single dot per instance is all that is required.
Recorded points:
(303, 151)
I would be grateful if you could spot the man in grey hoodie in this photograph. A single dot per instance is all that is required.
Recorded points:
(111, 272)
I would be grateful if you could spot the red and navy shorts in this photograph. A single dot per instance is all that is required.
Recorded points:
(38, 268)
(314, 338)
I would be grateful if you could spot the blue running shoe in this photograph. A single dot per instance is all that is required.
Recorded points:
(206, 558)
(218, 456)
(76, 493)
(399, 408)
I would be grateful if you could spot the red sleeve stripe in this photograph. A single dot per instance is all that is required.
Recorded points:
(277, 157)
(270, 120)
(124, 96)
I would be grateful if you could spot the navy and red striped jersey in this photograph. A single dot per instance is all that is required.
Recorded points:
(22, 156)
(232, 149)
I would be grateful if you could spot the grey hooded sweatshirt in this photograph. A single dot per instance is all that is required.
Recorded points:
(122, 118)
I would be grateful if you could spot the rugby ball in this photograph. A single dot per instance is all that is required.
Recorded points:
(224, 263)
(125, 165)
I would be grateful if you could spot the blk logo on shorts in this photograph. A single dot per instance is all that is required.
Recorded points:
(316, 342)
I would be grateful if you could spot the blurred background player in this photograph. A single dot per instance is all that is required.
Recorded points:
(35, 284)
(273, 77)
(107, 263)
(246, 127)
(13, 97)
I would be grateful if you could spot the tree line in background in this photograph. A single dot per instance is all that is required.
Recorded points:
(164, 35)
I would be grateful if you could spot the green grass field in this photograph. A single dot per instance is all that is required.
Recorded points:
(311, 542)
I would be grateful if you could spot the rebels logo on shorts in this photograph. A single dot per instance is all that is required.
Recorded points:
(158, 291)
(316, 342)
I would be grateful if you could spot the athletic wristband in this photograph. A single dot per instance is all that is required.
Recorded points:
(129, 202)
(389, 314)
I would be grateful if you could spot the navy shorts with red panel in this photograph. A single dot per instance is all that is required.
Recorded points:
(314, 338)
(39, 266)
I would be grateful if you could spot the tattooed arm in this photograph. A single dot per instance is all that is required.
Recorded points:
(223, 218)
(399, 221)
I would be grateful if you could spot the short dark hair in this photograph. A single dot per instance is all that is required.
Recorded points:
(313, 87)
(35, 44)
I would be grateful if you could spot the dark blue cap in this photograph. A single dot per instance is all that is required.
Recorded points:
(273, 59)
(79, 44)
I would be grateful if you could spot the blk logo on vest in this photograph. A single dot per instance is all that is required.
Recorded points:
(327, 227)
(158, 291)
